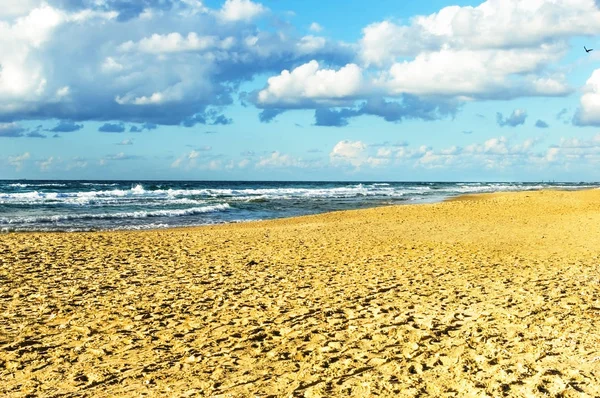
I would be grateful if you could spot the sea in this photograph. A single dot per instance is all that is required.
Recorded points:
(28, 205)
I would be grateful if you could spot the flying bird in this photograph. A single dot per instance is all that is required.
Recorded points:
(588, 50)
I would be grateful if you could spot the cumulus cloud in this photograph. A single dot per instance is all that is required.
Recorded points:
(66, 126)
(46, 164)
(309, 82)
(315, 27)
(541, 124)
(210, 117)
(18, 161)
(186, 161)
(35, 134)
(279, 160)
(77, 163)
(354, 153)
(121, 156)
(241, 10)
(575, 151)
(172, 43)
(143, 127)
(516, 118)
(108, 61)
(408, 107)
(171, 62)
(334, 117)
(16, 8)
(456, 55)
(588, 113)
(481, 74)
(24, 78)
(11, 130)
(112, 128)
(493, 24)
(126, 142)
(267, 115)
(498, 153)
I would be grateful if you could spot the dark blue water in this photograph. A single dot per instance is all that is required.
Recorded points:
(107, 205)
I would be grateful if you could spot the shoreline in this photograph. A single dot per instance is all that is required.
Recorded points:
(464, 196)
(488, 297)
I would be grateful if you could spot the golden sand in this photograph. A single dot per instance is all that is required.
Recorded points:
(493, 295)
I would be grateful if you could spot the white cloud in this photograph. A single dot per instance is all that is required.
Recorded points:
(476, 74)
(110, 65)
(494, 24)
(17, 8)
(355, 153)
(384, 41)
(22, 75)
(23, 72)
(309, 82)
(589, 110)
(214, 165)
(278, 160)
(497, 153)
(184, 58)
(315, 27)
(577, 143)
(552, 154)
(17, 161)
(310, 44)
(497, 50)
(516, 118)
(173, 43)
(241, 10)
(11, 130)
(187, 161)
(77, 163)
(575, 152)
(46, 164)
(63, 92)
(170, 94)
(501, 49)
(176, 163)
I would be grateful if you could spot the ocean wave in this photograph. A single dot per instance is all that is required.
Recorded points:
(137, 193)
(127, 227)
(133, 214)
(42, 184)
(98, 184)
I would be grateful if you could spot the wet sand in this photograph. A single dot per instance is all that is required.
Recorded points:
(490, 295)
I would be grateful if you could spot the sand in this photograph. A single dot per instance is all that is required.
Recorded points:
(490, 295)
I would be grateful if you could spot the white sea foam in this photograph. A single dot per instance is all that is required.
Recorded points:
(179, 196)
(41, 184)
(133, 214)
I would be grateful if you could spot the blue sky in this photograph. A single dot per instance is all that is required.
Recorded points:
(300, 90)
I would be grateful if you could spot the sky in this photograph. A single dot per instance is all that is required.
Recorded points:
(500, 90)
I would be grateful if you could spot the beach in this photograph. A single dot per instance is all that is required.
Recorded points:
(486, 295)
